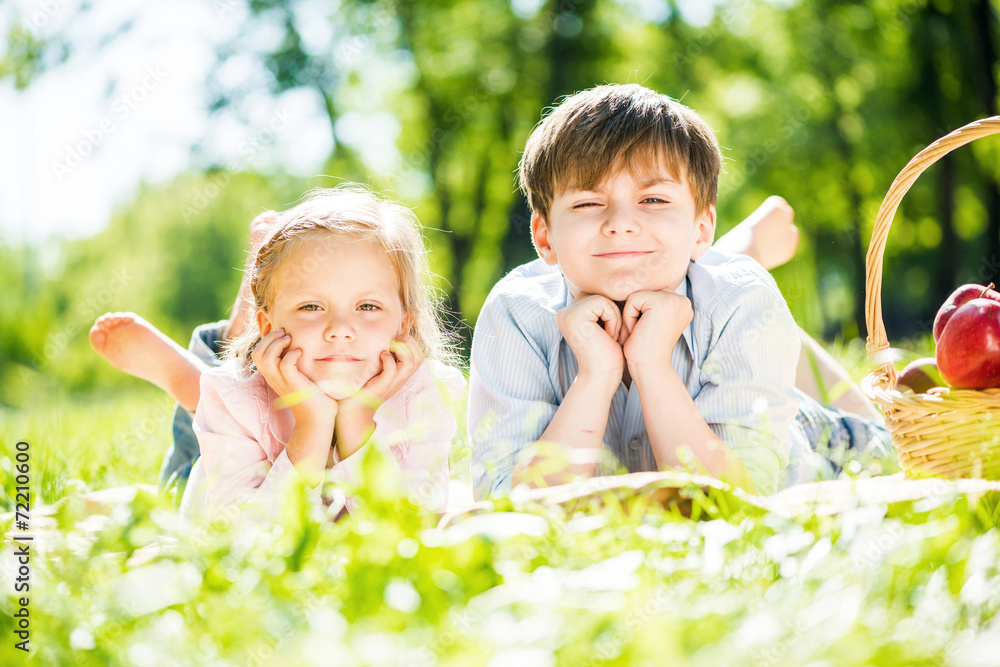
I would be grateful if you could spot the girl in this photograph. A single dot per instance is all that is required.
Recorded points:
(347, 353)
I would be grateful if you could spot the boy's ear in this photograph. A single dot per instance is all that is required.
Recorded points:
(263, 323)
(540, 237)
(705, 234)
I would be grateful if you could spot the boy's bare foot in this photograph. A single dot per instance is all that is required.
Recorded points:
(259, 228)
(135, 346)
(768, 235)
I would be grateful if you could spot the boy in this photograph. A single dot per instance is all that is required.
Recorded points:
(630, 340)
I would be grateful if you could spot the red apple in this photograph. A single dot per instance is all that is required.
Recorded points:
(961, 296)
(920, 376)
(968, 353)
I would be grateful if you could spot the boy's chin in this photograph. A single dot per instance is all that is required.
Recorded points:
(620, 288)
(621, 293)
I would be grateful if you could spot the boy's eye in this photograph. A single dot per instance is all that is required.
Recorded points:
(309, 306)
(368, 306)
(655, 200)
(586, 204)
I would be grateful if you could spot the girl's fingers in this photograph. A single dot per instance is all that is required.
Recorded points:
(265, 342)
(277, 347)
(389, 366)
(406, 350)
(287, 364)
(268, 353)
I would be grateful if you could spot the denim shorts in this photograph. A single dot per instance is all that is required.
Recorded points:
(834, 438)
(206, 344)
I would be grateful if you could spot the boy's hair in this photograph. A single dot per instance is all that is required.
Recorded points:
(352, 212)
(610, 128)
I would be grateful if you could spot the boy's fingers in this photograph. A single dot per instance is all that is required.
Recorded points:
(635, 306)
(612, 318)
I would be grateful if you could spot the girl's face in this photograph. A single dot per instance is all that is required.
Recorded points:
(339, 301)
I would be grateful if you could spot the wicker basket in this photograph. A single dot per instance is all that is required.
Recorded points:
(946, 432)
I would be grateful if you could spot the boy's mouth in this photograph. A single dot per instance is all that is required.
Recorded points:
(622, 254)
(344, 358)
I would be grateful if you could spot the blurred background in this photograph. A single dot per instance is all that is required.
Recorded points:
(140, 138)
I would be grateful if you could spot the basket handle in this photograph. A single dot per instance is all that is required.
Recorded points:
(877, 341)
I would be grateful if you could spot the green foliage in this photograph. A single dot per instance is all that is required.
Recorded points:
(175, 256)
(907, 584)
(609, 582)
(83, 444)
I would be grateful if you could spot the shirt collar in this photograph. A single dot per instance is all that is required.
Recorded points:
(684, 289)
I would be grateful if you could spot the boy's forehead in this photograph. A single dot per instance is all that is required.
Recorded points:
(644, 172)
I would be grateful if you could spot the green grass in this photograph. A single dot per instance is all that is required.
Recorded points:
(82, 444)
(915, 583)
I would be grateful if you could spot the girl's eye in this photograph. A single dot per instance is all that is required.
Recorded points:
(309, 306)
(368, 306)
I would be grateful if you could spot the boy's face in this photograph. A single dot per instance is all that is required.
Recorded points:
(628, 234)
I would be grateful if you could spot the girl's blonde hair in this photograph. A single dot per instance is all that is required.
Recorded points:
(353, 212)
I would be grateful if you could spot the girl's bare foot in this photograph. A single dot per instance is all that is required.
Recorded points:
(768, 235)
(135, 346)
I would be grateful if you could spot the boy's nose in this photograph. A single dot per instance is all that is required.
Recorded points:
(620, 221)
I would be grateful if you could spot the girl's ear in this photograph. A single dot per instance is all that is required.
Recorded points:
(406, 327)
(263, 323)
(705, 232)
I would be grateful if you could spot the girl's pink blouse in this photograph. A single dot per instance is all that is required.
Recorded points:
(242, 436)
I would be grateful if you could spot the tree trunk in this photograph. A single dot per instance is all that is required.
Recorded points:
(984, 18)
(947, 277)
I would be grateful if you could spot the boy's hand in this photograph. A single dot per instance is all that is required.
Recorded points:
(278, 364)
(652, 324)
(591, 325)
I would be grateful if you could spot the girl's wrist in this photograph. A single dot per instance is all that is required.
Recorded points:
(354, 421)
(355, 425)
(310, 416)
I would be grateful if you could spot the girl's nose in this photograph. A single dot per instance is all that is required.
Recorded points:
(339, 326)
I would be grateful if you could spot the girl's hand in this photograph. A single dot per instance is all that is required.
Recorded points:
(399, 363)
(356, 416)
(278, 364)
